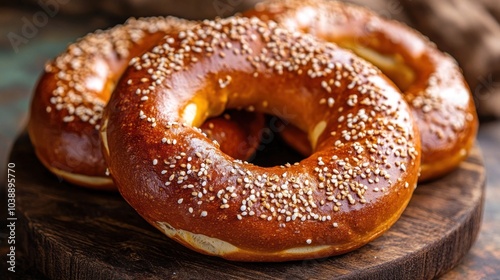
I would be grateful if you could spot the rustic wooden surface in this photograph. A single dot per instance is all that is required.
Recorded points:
(70, 232)
(483, 260)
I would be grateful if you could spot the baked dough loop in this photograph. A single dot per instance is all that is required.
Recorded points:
(67, 105)
(352, 188)
(430, 80)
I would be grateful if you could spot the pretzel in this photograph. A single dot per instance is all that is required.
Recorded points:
(352, 188)
(67, 105)
(430, 80)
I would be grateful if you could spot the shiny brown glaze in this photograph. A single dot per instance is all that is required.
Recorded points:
(431, 81)
(75, 87)
(354, 186)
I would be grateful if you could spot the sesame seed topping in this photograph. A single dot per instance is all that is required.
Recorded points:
(79, 70)
(365, 140)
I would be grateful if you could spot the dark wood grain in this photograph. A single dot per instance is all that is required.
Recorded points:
(74, 233)
(483, 260)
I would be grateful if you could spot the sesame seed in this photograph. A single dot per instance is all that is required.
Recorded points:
(331, 102)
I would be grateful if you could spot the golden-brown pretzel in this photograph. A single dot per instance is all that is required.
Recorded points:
(67, 104)
(431, 81)
(349, 191)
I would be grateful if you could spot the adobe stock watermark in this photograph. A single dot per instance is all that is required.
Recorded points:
(11, 216)
(226, 7)
(31, 26)
(391, 9)
(485, 87)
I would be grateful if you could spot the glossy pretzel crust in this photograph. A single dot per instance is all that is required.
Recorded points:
(71, 94)
(350, 190)
(430, 80)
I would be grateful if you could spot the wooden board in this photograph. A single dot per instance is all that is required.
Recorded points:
(73, 233)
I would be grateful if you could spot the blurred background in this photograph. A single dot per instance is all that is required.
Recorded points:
(33, 31)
